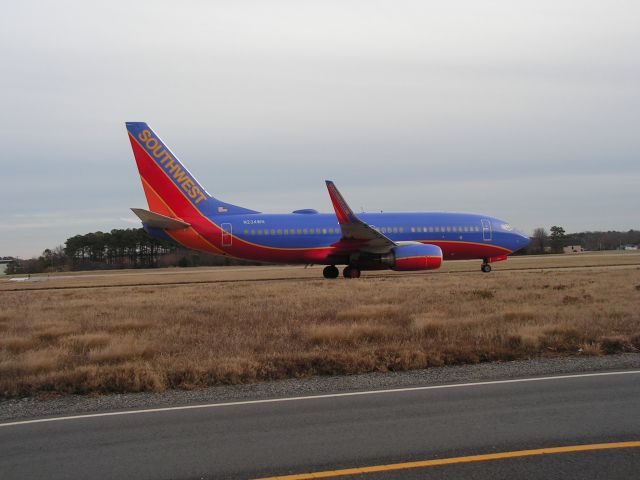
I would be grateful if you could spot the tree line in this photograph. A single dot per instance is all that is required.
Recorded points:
(556, 239)
(117, 249)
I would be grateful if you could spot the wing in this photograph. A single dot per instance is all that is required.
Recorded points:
(357, 236)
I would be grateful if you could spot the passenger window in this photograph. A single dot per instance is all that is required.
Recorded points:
(413, 229)
(401, 229)
(448, 229)
(395, 229)
(279, 231)
(305, 231)
(431, 229)
(259, 231)
(246, 232)
(324, 231)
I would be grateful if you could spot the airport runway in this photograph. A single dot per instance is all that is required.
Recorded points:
(332, 432)
(169, 277)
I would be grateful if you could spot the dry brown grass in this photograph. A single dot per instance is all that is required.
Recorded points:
(154, 338)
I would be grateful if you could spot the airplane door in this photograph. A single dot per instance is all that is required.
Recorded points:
(486, 230)
(227, 237)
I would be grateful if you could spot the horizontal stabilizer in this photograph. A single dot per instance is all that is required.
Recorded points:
(155, 220)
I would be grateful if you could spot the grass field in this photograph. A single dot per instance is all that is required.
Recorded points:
(153, 337)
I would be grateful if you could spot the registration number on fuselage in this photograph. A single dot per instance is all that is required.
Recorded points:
(253, 222)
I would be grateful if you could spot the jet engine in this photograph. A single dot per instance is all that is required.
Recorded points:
(414, 256)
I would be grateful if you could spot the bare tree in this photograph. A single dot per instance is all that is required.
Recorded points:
(540, 240)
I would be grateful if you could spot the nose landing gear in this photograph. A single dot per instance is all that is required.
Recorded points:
(485, 267)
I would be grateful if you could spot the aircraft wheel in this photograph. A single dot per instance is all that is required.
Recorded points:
(486, 268)
(330, 272)
(351, 272)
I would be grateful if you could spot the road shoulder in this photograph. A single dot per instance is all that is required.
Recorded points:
(32, 408)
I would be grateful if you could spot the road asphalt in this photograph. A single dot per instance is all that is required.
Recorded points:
(253, 439)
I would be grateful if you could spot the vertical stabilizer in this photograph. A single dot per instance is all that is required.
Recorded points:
(169, 187)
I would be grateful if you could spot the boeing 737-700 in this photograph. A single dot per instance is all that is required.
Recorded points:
(182, 211)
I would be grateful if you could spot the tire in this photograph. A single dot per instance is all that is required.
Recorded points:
(351, 272)
(330, 272)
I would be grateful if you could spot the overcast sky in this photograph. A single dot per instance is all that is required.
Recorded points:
(528, 111)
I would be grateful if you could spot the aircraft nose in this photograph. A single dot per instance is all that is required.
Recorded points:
(521, 239)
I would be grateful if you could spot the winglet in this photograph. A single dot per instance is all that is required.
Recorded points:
(343, 211)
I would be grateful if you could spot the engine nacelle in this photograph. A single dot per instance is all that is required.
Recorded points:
(416, 256)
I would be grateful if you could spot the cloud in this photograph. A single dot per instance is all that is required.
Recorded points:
(458, 103)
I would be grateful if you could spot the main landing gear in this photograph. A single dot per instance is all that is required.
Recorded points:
(485, 267)
(349, 272)
(330, 272)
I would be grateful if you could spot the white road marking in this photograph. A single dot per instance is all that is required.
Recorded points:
(317, 397)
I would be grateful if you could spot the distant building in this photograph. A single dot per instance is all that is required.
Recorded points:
(573, 249)
(3, 266)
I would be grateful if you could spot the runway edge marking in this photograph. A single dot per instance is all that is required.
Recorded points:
(318, 397)
(456, 460)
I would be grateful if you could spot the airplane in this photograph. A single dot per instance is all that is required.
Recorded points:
(182, 211)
